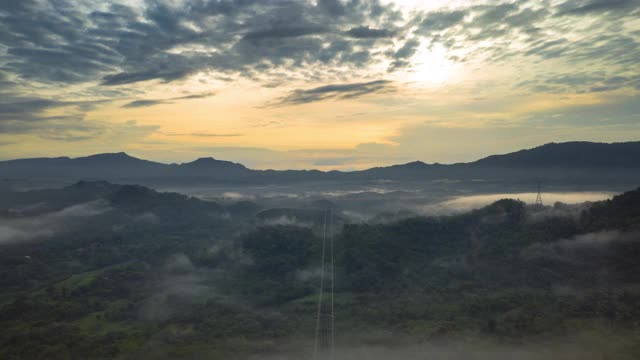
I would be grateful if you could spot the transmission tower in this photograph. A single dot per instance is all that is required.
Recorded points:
(539, 197)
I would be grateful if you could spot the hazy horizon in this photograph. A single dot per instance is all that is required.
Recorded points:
(284, 165)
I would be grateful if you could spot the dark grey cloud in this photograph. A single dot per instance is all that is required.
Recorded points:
(365, 32)
(580, 82)
(336, 91)
(165, 74)
(527, 19)
(583, 7)
(548, 49)
(18, 108)
(441, 20)
(62, 128)
(45, 41)
(285, 32)
(144, 103)
(152, 102)
(73, 41)
(28, 115)
(495, 13)
(64, 41)
(403, 54)
(15, 107)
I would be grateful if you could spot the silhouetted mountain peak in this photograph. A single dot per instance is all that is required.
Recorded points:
(109, 157)
(415, 164)
(205, 160)
(84, 184)
(211, 162)
(409, 165)
(574, 154)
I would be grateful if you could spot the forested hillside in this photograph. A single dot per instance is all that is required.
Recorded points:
(103, 271)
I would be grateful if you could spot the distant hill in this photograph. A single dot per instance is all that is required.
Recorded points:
(131, 198)
(571, 160)
(570, 155)
(110, 165)
(113, 166)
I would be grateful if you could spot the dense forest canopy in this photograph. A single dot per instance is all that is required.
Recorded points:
(98, 270)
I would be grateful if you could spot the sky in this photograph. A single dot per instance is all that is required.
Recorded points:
(326, 84)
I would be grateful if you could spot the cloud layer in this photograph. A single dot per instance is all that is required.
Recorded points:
(70, 68)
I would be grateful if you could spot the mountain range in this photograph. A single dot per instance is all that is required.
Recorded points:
(577, 161)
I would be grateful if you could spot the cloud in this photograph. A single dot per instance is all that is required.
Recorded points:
(582, 7)
(441, 20)
(31, 115)
(105, 50)
(147, 217)
(123, 43)
(581, 247)
(467, 203)
(612, 111)
(378, 344)
(284, 32)
(179, 285)
(144, 103)
(46, 42)
(365, 32)
(62, 128)
(404, 53)
(153, 102)
(532, 33)
(580, 82)
(204, 134)
(286, 220)
(14, 107)
(124, 78)
(336, 91)
(28, 115)
(495, 13)
(196, 96)
(48, 225)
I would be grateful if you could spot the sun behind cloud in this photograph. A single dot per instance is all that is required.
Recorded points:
(431, 67)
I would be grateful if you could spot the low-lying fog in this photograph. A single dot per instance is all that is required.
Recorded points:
(580, 346)
(465, 203)
(365, 202)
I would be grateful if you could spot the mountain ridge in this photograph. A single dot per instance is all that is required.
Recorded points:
(569, 157)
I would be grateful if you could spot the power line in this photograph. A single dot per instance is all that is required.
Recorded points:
(333, 318)
(329, 329)
(319, 313)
